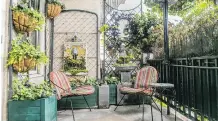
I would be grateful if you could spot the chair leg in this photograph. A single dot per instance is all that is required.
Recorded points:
(175, 112)
(87, 103)
(66, 104)
(139, 100)
(143, 109)
(72, 109)
(119, 102)
(151, 112)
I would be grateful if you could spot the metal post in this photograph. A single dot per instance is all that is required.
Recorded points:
(51, 46)
(10, 70)
(103, 71)
(166, 41)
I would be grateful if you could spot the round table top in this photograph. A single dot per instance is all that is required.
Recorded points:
(162, 85)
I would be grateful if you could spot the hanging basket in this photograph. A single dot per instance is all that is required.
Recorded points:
(23, 22)
(53, 10)
(24, 65)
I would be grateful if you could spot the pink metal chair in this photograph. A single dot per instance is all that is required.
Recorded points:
(145, 76)
(63, 88)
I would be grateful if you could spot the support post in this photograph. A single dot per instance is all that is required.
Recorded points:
(10, 69)
(166, 39)
(51, 46)
(103, 71)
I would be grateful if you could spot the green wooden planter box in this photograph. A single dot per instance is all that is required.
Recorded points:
(79, 102)
(113, 94)
(44, 109)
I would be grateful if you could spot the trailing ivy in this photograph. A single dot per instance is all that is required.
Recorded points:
(22, 49)
(25, 90)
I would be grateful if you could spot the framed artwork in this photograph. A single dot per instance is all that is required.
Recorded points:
(75, 50)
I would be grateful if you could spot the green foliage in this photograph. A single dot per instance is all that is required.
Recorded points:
(104, 28)
(74, 71)
(111, 80)
(91, 81)
(23, 49)
(74, 66)
(181, 7)
(139, 31)
(196, 35)
(123, 59)
(24, 90)
(88, 81)
(57, 2)
(37, 17)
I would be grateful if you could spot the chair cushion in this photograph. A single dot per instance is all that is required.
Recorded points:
(61, 83)
(146, 76)
(83, 90)
(130, 90)
(147, 92)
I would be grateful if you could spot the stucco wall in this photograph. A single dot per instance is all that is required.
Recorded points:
(89, 5)
(3, 56)
(95, 6)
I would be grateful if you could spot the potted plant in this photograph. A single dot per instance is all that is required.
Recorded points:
(32, 101)
(25, 56)
(74, 66)
(26, 19)
(124, 63)
(112, 82)
(54, 8)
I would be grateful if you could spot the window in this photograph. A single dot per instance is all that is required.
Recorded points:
(34, 36)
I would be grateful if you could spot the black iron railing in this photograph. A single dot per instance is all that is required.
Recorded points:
(196, 84)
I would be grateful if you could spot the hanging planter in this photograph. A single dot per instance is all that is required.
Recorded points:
(24, 56)
(27, 19)
(24, 65)
(54, 8)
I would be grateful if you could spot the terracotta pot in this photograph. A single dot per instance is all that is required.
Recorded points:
(24, 65)
(53, 10)
(23, 22)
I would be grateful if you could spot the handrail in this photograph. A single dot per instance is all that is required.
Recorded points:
(200, 67)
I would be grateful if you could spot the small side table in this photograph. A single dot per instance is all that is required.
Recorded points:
(163, 87)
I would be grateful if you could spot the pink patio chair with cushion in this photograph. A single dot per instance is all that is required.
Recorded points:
(63, 88)
(145, 76)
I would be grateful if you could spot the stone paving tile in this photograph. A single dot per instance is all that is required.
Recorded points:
(123, 113)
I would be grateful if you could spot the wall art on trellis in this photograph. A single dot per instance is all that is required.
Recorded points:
(77, 26)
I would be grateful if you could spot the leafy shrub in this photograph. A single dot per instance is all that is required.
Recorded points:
(22, 49)
(24, 90)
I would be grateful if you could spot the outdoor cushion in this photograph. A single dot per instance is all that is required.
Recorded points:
(130, 90)
(63, 88)
(146, 76)
(83, 90)
(61, 83)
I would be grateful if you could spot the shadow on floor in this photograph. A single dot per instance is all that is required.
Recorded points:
(123, 113)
